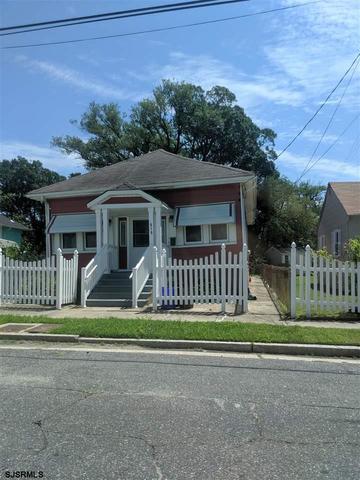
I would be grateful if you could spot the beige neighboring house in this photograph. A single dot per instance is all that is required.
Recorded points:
(340, 217)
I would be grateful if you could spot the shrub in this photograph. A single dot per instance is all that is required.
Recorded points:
(352, 248)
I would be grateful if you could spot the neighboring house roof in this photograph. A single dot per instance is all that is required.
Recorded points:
(7, 222)
(348, 194)
(150, 171)
(285, 251)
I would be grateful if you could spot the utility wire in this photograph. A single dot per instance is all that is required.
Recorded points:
(165, 9)
(355, 146)
(162, 29)
(104, 15)
(334, 143)
(329, 122)
(321, 106)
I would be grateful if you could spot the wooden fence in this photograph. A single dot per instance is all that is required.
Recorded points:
(278, 281)
(215, 279)
(51, 281)
(323, 284)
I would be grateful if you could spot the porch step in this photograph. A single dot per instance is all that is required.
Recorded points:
(115, 290)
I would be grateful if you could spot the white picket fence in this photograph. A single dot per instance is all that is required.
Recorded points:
(51, 281)
(323, 284)
(217, 278)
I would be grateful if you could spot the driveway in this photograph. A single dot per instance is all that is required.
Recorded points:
(135, 415)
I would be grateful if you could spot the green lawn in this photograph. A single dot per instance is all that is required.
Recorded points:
(177, 330)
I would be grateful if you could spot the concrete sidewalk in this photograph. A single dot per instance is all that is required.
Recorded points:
(261, 310)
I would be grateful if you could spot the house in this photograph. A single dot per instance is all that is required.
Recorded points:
(182, 205)
(10, 231)
(278, 256)
(340, 217)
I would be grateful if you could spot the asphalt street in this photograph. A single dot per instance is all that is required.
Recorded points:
(132, 414)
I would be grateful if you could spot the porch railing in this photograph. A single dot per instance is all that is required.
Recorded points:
(91, 274)
(140, 274)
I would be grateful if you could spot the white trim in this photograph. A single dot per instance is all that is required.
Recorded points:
(200, 245)
(117, 206)
(121, 194)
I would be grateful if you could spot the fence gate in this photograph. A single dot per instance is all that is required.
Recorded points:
(51, 281)
(323, 284)
(217, 278)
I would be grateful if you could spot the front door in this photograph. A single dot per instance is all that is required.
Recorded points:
(123, 263)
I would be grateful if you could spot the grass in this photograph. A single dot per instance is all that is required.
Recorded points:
(178, 330)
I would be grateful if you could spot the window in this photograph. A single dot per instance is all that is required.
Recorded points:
(140, 233)
(163, 230)
(219, 232)
(193, 234)
(336, 245)
(90, 240)
(285, 259)
(69, 240)
(322, 241)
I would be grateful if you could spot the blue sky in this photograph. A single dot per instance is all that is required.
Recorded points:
(281, 66)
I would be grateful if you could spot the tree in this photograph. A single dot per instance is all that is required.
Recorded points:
(17, 178)
(288, 212)
(180, 118)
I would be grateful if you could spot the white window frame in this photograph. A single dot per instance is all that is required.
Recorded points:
(88, 249)
(322, 241)
(197, 242)
(336, 245)
(221, 240)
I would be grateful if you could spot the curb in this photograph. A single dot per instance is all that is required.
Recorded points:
(243, 347)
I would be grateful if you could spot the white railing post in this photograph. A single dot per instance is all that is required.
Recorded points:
(245, 283)
(59, 278)
(83, 287)
(223, 278)
(134, 287)
(155, 278)
(307, 281)
(75, 274)
(1, 276)
(293, 281)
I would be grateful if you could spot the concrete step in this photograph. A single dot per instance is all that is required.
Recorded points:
(119, 302)
(111, 296)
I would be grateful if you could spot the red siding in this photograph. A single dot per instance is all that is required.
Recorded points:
(70, 205)
(84, 258)
(199, 195)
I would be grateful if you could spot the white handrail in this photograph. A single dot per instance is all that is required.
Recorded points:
(91, 274)
(140, 274)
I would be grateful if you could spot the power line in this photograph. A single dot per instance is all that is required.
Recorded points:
(165, 9)
(162, 29)
(321, 106)
(104, 15)
(329, 122)
(334, 143)
(355, 146)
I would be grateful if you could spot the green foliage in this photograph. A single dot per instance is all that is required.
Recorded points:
(17, 178)
(352, 249)
(324, 253)
(25, 252)
(180, 118)
(288, 212)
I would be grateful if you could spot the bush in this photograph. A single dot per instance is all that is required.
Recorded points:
(352, 248)
(24, 252)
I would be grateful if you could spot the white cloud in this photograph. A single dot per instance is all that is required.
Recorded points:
(326, 170)
(315, 136)
(51, 158)
(208, 71)
(315, 47)
(76, 79)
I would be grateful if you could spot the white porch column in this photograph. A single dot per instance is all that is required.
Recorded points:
(98, 229)
(151, 225)
(105, 225)
(158, 236)
(47, 234)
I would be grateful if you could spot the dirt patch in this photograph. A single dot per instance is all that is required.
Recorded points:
(15, 327)
(43, 328)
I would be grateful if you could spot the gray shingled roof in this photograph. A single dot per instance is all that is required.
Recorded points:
(7, 222)
(348, 194)
(154, 168)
